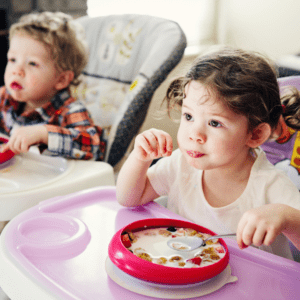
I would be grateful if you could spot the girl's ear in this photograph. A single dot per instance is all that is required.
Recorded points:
(64, 79)
(259, 135)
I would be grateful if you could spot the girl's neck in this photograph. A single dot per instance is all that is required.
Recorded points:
(222, 187)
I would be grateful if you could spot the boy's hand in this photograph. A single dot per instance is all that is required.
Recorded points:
(260, 226)
(152, 144)
(24, 137)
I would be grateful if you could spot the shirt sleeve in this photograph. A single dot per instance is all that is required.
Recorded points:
(76, 136)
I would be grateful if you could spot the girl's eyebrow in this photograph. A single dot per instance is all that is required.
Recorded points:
(215, 114)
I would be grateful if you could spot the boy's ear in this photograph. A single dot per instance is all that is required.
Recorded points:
(259, 135)
(64, 79)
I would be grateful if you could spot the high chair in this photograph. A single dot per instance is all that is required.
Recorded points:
(129, 57)
(285, 155)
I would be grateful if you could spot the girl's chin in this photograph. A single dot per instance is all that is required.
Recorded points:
(196, 163)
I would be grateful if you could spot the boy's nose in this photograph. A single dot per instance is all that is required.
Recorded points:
(19, 71)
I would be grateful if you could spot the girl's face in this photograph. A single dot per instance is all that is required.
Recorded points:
(30, 75)
(210, 135)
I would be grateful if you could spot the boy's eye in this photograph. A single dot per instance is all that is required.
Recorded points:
(32, 63)
(214, 123)
(11, 59)
(188, 117)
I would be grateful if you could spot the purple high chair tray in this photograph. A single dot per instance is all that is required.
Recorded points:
(58, 250)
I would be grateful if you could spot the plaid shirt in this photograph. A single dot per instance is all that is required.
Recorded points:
(71, 131)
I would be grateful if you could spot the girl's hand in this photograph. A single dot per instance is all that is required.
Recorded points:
(152, 144)
(260, 226)
(26, 136)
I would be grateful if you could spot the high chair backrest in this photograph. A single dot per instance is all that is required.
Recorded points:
(286, 156)
(129, 57)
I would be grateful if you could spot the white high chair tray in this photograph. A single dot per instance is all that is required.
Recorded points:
(29, 178)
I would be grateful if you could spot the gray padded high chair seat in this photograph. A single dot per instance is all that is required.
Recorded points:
(129, 57)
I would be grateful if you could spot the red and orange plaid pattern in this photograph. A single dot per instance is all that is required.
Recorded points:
(71, 131)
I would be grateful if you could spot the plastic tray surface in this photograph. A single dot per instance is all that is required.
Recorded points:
(58, 249)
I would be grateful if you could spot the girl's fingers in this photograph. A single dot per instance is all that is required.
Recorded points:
(159, 141)
(239, 233)
(259, 236)
(270, 237)
(152, 144)
(148, 142)
(169, 145)
(245, 232)
(248, 234)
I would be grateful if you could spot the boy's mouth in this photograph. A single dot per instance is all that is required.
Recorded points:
(16, 86)
(194, 154)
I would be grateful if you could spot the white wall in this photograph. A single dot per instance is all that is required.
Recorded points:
(268, 26)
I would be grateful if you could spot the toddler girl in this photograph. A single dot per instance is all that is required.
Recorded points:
(219, 177)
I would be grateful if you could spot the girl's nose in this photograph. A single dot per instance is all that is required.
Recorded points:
(197, 137)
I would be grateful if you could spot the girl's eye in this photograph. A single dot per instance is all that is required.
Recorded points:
(32, 63)
(11, 59)
(214, 123)
(188, 117)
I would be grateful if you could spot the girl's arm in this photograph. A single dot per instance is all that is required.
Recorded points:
(133, 185)
(263, 224)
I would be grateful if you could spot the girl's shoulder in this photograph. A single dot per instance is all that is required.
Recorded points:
(274, 184)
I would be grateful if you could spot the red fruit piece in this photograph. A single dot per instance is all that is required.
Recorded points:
(196, 260)
(125, 240)
(220, 249)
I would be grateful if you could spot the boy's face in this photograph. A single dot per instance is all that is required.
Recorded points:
(30, 74)
(210, 135)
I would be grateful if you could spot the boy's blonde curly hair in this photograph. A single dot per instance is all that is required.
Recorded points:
(61, 35)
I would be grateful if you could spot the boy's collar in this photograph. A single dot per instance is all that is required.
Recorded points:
(60, 98)
(57, 101)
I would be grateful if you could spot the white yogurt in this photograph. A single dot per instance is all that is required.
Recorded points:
(154, 244)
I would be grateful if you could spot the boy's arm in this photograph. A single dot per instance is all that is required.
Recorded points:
(79, 142)
(133, 185)
(24, 137)
(72, 133)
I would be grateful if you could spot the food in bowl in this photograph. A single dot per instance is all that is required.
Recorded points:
(151, 245)
(144, 269)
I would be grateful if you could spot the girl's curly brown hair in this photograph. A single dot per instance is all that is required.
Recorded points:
(246, 82)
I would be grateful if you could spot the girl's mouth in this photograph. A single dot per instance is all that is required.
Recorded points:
(16, 86)
(194, 154)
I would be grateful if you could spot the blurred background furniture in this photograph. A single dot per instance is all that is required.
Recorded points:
(286, 156)
(288, 65)
(129, 57)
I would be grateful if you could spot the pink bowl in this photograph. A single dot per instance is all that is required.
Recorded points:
(7, 155)
(145, 270)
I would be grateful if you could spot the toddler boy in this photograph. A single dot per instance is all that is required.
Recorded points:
(46, 55)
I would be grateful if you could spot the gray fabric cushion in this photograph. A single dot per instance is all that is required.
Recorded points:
(129, 57)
